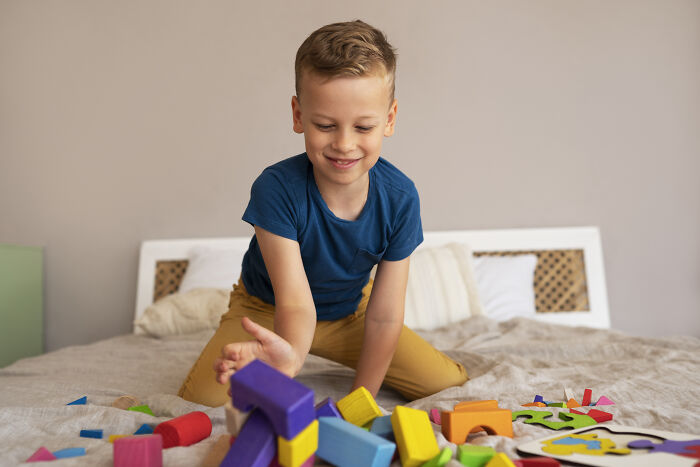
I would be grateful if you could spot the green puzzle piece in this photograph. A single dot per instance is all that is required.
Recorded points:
(571, 420)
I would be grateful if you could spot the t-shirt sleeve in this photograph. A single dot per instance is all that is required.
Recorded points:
(407, 233)
(272, 206)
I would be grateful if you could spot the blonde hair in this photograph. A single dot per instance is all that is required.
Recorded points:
(352, 48)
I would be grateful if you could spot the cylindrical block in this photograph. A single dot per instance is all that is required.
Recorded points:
(184, 430)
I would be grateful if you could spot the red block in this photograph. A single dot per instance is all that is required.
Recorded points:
(577, 411)
(599, 416)
(587, 393)
(184, 430)
(536, 462)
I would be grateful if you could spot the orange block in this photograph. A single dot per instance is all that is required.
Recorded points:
(572, 403)
(476, 405)
(535, 404)
(456, 426)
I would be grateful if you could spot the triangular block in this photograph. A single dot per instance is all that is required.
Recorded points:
(599, 416)
(41, 454)
(81, 401)
(604, 401)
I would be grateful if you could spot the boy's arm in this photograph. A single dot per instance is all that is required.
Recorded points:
(383, 324)
(295, 312)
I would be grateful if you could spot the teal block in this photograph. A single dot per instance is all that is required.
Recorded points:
(343, 444)
(382, 427)
(69, 452)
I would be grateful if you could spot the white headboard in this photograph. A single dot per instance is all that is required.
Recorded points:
(586, 239)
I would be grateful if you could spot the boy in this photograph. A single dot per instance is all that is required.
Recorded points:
(322, 220)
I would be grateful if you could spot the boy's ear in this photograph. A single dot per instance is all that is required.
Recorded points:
(296, 116)
(391, 120)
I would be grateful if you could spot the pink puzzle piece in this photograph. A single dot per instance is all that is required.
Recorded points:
(41, 454)
(604, 401)
(435, 416)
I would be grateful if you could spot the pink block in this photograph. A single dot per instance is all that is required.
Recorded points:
(435, 416)
(139, 451)
(41, 454)
(604, 401)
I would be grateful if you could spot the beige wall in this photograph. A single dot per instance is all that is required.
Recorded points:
(132, 120)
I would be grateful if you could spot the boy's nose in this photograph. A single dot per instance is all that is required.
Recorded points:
(344, 141)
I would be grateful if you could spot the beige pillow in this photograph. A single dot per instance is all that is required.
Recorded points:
(183, 313)
(441, 287)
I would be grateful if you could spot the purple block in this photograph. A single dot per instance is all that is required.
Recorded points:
(255, 445)
(539, 398)
(669, 446)
(327, 408)
(288, 404)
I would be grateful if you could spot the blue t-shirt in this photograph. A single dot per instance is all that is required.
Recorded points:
(338, 254)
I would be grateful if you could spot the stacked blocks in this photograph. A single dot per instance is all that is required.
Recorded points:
(184, 430)
(255, 445)
(139, 451)
(414, 436)
(457, 425)
(359, 407)
(346, 445)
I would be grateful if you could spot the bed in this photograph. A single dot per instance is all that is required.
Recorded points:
(566, 342)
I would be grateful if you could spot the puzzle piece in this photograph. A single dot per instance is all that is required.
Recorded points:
(571, 420)
(670, 446)
(695, 452)
(588, 444)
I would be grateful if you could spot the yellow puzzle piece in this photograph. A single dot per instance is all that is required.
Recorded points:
(588, 444)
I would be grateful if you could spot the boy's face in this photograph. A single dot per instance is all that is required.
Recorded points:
(344, 121)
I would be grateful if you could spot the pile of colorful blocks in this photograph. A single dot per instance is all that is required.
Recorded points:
(570, 400)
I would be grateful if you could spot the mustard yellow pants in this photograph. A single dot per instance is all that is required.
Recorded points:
(417, 368)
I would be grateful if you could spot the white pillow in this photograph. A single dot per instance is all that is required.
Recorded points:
(183, 313)
(212, 267)
(506, 285)
(441, 288)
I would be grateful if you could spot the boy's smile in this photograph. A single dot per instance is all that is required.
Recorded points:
(344, 121)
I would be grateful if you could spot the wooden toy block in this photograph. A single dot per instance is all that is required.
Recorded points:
(536, 462)
(294, 452)
(126, 401)
(359, 407)
(184, 430)
(435, 416)
(441, 459)
(556, 404)
(81, 401)
(255, 445)
(577, 412)
(604, 401)
(568, 394)
(344, 444)
(41, 454)
(456, 426)
(235, 419)
(476, 405)
(144, 429)
(288, 404)
(141, 408)
(538, 398)
(571, 420)
(473, 455)
(572, 403)
(500, 460)
(69, 452)
(414, 435)
(139, 451)
(97, 434)
(382, 427)
(535, 404)
(217, 452)
(599, 416)
(113, 438)
(327, 408)
(587, 393)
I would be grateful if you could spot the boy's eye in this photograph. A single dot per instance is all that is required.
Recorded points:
(323, 127)
(364, 128)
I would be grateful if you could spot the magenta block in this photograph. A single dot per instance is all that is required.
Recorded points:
(41, 454)
(327, 408)
(139, 451)
(288, 404)
(255, 445)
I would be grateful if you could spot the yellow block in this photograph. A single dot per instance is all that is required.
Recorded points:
(359, 407)
(113, 438)
(500, 460)
(414, 436)
(294, 452)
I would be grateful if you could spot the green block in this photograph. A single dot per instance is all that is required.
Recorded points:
(441, 459)
(557, 404)
(142, 408)
(475, 456)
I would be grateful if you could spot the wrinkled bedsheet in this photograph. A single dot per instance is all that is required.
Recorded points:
(655, 383)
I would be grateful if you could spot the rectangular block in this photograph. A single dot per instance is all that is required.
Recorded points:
(587, 393)
(138, 451)
(294, 452)
(382, 427)
(473, 455)
(346, 445)
(255, 445)
(97, 434)
(327, 408)
(414, 436)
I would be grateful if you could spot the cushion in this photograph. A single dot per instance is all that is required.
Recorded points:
(183, 313)
(506, 285)
(212, 267)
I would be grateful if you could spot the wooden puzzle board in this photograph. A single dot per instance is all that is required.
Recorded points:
(620, 436)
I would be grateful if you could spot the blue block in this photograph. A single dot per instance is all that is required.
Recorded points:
(381, 426)
(538, 398)
(327, 408)
(69, 452)
(288, 404)
(81, 401)
(144, 429)
(343, 444)
(255, 445)
(91, 434)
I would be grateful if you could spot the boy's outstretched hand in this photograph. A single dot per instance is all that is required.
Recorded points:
(267, 346)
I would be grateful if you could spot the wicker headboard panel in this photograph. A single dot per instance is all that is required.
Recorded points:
(560, 279)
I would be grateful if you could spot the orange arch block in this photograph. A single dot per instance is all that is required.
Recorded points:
(457, 425)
